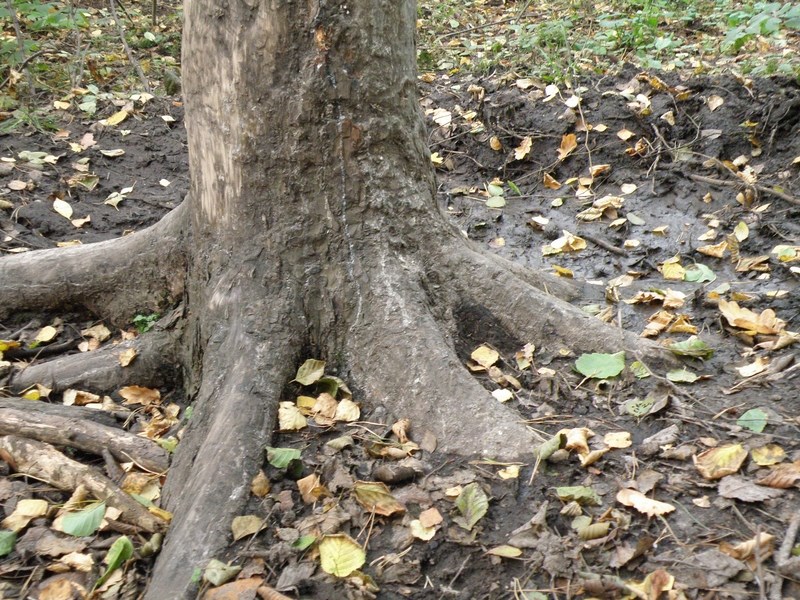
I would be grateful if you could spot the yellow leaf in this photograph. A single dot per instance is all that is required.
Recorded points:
(485, 356)
(430, 517)
(771, 454)
(642, 503)
(347, 411)
(550, 182)
(260, 485)
(136, 394)
(505, 551)
(625, 134)
(63, 208)
(245, 525)
(741, 231)
(419, 531)
(766, 322)
(617, 439)
(311, 488)
(46, 334)
(25, 511)
(523, 149)
(714, 102)
(289, 417)
(759, 365)
(509, 472)
(716, 463)
(126, 357)
(115, 119)
(715, 250)
(495, 143)
(340, 555)
(568, 143)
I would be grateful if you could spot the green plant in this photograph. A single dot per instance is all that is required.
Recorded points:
(763, 19)
(144, 323)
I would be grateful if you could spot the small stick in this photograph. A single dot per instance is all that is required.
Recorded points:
(131, 57)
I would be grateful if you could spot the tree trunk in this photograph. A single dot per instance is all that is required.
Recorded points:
(313, 231)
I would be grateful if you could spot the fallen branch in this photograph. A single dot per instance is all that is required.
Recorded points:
(86, 436)
(59, 410)
(42, 461)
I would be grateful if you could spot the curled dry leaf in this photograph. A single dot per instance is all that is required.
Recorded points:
(765, 323)
(126, 357)
(401, 429)
(746, 551)
(642, 503)
(782, 476)
(375, 496)
(136, 394)
(311, 488)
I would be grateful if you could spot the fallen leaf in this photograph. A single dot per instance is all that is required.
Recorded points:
(739, 488)
(311, 488)
(642, 503)
(505, 551)
(26, 510)
(289, 417)
(523, 149)
(485, 356)
(716, 463)
(63, 208)
(473, 504)
(743, 318)
(375, 496)
(340, 555)
(136, 394)
(568, 143)
(245, 525)
(126, 357)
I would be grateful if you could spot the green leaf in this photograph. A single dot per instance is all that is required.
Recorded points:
(169, 444)
(496, 202)
(217, 572)
(682, 376)
(698, 273)
(7, 541)
(472, 503)
(120, 551)
(84, 522)
(494, 189)
(754, 419)
(310, 371)
(514, 188)
(639, 407)
(303, 542)
(600, 366)
(694, 347)
(640, 370)
(579, 493)
(281, 457)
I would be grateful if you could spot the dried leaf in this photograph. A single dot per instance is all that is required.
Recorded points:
(245, 525)
(375, 496)
(523, 149)
(568, 143)
(716, 463)
(289, 417)
(642, 503)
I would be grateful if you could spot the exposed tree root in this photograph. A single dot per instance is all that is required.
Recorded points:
(100, 371)
(44, 462)
(84, 435)
(140, 272)
(58, 410)
(221, 450)
(542, 318)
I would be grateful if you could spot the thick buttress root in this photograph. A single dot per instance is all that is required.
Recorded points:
(141, 272)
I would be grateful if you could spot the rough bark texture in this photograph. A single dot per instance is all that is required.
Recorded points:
(314, 233)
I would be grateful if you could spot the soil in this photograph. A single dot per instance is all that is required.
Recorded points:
(682, 167)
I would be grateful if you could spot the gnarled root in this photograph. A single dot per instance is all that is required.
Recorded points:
(140, 272)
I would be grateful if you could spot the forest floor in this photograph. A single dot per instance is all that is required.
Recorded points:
(676, 197)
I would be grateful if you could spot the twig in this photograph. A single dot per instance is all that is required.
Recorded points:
(21, 43)
(131, 57)
(764, 189)
(603, 244)
(782, 556)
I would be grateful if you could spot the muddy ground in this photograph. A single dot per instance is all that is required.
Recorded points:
(676, 173)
